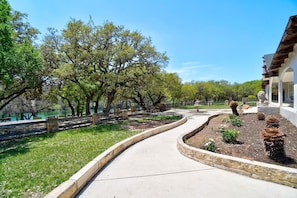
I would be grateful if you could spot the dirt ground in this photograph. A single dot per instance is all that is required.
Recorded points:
(148, 124)
(250, 145)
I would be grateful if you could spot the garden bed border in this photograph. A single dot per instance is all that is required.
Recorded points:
(259, 170)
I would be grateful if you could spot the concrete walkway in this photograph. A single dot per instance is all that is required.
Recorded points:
(155, 168)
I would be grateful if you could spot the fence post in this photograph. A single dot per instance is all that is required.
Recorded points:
(125, 114)
(52, 124)
(96, 118)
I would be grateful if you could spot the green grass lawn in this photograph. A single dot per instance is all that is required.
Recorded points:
(217, 105)
(162, 117)
(214, 106)
(32, 167)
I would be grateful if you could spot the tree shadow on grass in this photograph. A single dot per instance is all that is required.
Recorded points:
(117, 126)
(20, 146)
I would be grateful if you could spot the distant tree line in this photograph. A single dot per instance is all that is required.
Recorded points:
(86, 66)
(220, 90)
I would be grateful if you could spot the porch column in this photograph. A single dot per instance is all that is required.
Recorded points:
(280, 92)
(267, 92)
(270, 91)
(295, 92)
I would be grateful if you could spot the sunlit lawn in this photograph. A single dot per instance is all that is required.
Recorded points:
(34, 166)
(213, 106)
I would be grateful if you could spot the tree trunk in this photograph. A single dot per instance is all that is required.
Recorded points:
(140, 102)
(96, 106)
(69, 104)
(158, 99)
(110, 98)
(71, 107)
(173, 102)
(5, 100)
(78, 108)
(88, 101)
(234, 111)
(97, 103)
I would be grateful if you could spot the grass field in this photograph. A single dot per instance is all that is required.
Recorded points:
(32, 167)
(213, 106)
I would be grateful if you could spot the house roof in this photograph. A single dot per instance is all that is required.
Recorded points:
(286, 45)
(267, 58)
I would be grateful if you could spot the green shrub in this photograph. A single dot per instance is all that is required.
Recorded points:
(231, 116)
(210, 145)
(236, 121)
(252, 97)
(230, 135)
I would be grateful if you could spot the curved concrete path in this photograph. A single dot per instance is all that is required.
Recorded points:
(155, 168)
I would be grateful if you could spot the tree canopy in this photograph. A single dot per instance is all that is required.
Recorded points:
(219, 90)
(100, 60)
(20, 61)
(84, 64)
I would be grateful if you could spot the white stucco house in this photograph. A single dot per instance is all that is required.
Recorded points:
(280, 74)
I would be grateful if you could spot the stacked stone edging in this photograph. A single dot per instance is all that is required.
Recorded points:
(72, 186)
(269, 172)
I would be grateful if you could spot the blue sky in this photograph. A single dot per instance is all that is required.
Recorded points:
(204, 39)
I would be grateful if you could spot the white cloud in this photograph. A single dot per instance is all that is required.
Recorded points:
(189, 67)
(197, 71)
(191, 63)
(198, 77)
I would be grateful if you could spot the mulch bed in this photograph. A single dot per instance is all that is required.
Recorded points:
(250, 145)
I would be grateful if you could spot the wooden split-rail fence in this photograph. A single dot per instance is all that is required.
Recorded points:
(19, 129)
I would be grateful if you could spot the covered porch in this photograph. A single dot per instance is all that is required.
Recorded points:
(280, 74)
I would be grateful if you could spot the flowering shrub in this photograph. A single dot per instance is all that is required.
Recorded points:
(210, 145)
(222, 128)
